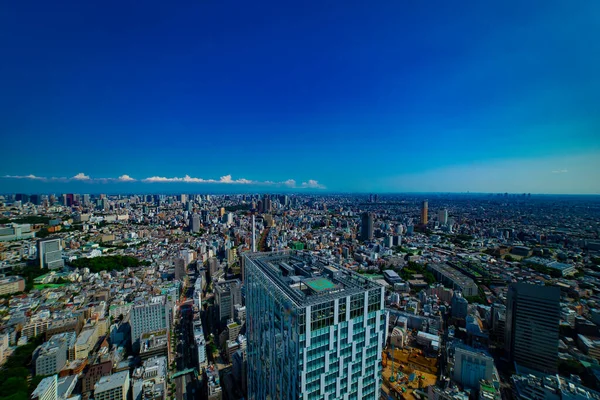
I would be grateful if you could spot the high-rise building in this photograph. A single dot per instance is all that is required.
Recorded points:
(50, 253)
(460, 305)
(471, 366)
(314, 330)
(227, 295)
(443, 216)
(195, 223)
(532, 320)
(424, 207)
(200, 345)
(366, 229)
(86, 200)
(148, 316)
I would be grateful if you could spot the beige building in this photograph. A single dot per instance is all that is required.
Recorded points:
(85, 342)
(11, 284)
(112, 387)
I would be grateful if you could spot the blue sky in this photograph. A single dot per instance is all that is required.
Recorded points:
(394, 96)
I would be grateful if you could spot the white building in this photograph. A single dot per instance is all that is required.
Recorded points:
(50, 253)
(148, 316)
(46, 389)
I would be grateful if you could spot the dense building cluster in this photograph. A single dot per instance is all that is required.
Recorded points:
(300, 296)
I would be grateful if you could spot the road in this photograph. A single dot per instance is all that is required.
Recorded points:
(186, 385)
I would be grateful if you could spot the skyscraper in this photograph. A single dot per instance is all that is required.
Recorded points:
(366, 230)
(424, 212)
(195, 223)
(532, 319)
(443, 216)
(315, 331)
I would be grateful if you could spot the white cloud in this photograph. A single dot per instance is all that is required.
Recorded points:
(153, 179)
(125, 178)
(30, 176)
(81, 177)
(312, 184)
(225, 179)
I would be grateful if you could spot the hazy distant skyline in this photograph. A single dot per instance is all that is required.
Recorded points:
(320, 96)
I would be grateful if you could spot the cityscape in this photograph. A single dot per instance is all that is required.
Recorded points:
(316, 200)
(300, 296)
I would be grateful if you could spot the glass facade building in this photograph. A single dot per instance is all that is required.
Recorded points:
(314, 330)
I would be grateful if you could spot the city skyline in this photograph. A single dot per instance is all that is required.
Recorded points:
(356, 98)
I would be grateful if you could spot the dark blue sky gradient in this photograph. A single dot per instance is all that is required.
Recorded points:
(360, 96)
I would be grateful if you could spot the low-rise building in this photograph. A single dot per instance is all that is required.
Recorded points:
(112, 387)
(11, 284)
(52, 356)
(47, 389)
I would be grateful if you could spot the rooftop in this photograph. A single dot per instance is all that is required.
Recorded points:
(44, 385)
(307, 279)
(111, 382)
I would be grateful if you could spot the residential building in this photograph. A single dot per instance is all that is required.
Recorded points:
(424, 209)
(11, 284)
(315, 330)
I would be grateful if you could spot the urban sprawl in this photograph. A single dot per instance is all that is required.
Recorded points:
(299, 296)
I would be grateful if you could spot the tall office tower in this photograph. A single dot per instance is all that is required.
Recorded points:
(35, 199)
(205, 216)
(86, 200)
(70, 199)
(227, 295)
(195, 223)
(424, 212)
(531, 332)
(366, 229)
(190, 206)
(314, 330)
(148, 315)
(179, 267)
(50, 253)
(183, 198)
(260, 207)
(443, 216)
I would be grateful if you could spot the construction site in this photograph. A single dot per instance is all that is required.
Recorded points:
(406, 372)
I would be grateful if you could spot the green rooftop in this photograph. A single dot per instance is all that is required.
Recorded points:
(319, 284)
